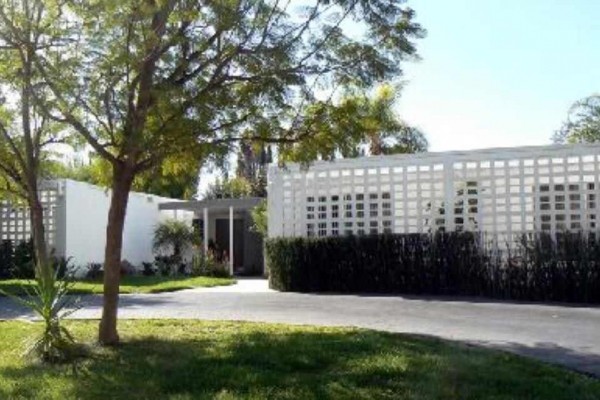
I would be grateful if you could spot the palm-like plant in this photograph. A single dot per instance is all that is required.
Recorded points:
(49, 299)
(173, 236)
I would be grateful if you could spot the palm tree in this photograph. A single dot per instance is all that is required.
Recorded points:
(173, 236)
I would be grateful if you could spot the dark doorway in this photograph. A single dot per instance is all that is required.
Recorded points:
(222, 239)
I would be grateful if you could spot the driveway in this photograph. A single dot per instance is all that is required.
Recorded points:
(564, 335)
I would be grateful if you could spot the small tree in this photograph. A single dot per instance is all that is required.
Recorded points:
(229, 188)
(175, 237)
(260, 222)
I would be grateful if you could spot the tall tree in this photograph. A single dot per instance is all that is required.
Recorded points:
(385, 131)
(356, 125)
(144, 80)
(253, 160)
(25, 132)
(583, 122)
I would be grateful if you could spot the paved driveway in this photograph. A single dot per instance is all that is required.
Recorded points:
(560, 334)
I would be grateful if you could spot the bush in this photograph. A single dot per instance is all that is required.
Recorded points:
(24, 259)
(165, 265)
(537, 268)
(62, 266)
(50, 301)
(95, 271)
(208, 265)
(148, 269)
(7, 259)
(127, 268)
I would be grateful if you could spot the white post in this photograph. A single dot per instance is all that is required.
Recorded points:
(205, 231)
(231, 240)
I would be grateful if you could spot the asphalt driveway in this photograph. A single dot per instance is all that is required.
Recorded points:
(565, 335)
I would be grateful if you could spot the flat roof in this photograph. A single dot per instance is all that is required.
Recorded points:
(245, 203)
(499, 153)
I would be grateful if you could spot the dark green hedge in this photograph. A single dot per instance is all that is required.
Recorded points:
(16, 260)
(460, 264)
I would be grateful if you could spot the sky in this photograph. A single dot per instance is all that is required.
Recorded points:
(500, 73)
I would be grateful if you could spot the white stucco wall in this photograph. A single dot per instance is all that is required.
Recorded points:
(86, 217)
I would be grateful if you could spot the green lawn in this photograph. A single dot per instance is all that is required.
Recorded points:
(167, 359)
(129, 284)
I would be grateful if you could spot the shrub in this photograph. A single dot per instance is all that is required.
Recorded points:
(7, 259)
(24, 260)
(208, 265)
(49, 299)
(128, 268)
(61, 266)
(165, 265)
(94, 271)
(148, 269)
(536, 267)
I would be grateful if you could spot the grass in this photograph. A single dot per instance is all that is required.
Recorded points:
(129, 284)
(167, 359)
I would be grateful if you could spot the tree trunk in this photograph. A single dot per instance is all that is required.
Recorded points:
(43, 267)
(376, 147)
(121, 185)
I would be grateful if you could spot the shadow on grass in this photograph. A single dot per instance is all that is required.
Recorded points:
(233, 360)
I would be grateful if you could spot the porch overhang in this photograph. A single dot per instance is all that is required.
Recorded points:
(204, 207)
(243, 204)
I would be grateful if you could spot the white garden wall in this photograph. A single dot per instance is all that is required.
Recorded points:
(503, 191)
(86, 217)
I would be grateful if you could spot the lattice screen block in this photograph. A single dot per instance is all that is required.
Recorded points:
(501, 191)
(15, 224)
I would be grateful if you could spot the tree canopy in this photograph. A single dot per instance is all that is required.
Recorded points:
(583, 122)
(358, 124)
(145, 81)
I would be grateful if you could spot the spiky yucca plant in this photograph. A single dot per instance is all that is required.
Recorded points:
(49, 299)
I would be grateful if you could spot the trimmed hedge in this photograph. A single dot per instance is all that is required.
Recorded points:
(537, 268)
(17, 260)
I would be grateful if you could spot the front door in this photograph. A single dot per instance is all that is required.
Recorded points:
(222, 239)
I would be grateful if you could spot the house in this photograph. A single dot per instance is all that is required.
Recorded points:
(503, 191)
(227, 223)
(75, 217)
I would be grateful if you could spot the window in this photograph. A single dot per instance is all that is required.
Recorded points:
(310, 230)
(322, 229)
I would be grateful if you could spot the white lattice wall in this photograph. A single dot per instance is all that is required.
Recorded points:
(500, 191)
(15, 222)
